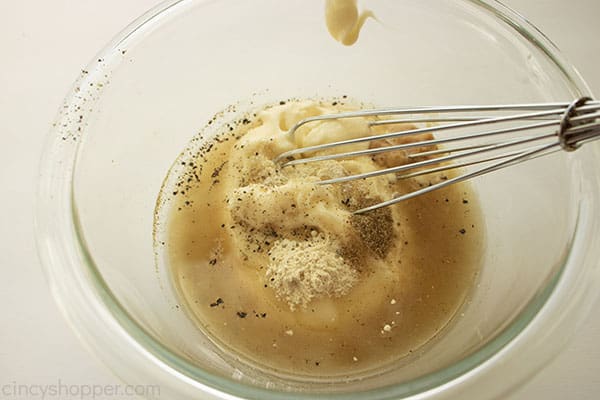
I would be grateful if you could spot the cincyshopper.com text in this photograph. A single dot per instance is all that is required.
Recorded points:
(61, 390)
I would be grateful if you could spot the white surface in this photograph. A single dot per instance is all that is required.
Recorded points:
(43, 46)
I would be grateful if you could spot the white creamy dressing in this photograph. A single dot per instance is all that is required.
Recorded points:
(344, 22)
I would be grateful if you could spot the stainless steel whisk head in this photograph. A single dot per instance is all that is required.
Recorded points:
(503, 136)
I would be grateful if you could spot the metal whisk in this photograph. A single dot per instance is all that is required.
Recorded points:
(497, 136)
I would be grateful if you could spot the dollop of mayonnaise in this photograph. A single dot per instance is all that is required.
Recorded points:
(343, 20)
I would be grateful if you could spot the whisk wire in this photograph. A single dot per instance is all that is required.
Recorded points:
(425, 163)
(561, 125)
(464, 164)
(517, 159)
(406, 146)
(392, 135)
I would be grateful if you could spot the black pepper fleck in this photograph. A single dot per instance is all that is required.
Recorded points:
(217, 302)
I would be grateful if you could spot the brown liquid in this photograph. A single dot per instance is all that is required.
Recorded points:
(401, 300)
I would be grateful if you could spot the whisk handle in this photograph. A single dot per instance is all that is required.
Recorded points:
(587, 130)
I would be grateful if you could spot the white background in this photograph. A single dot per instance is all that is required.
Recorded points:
(43, 46)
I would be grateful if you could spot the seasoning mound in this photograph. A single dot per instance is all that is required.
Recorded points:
(315, 245)
(300, 271)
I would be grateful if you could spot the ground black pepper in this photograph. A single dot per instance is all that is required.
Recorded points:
(217, 170)
(217, 302)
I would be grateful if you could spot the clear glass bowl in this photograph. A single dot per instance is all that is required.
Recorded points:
(138, 104)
